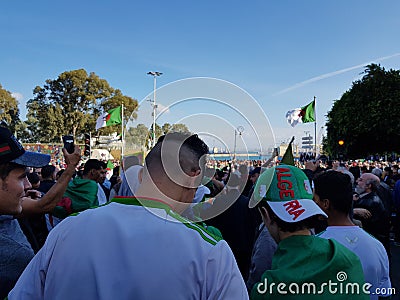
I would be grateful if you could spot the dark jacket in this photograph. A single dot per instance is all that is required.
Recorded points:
(378, 224)
(237, 225)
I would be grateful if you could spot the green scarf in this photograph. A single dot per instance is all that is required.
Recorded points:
(81, 194)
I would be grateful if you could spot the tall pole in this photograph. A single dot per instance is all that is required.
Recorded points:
(90, 144)
(315, 127)
(154, 74)
(122, 132)
(239, 130)
(234, 146)
(154, 110)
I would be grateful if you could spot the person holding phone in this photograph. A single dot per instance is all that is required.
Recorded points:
(18, 199)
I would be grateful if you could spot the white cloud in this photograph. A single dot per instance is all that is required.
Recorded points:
(17, 96)
(162, 108)
(331, 74)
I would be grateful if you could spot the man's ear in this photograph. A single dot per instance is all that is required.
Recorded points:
(326, 204)
(195, 178)
(195, 173)
(264, 215)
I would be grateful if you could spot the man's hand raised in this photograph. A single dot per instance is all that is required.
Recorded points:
(73, 158)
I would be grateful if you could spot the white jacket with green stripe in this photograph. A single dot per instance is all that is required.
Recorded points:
(127, 251)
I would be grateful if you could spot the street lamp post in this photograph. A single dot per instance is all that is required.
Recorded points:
(155, 75)
(239, 130)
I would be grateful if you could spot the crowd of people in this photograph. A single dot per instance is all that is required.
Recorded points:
(181, 227)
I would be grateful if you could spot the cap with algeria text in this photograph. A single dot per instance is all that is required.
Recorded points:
(11, 150)
(288, 192)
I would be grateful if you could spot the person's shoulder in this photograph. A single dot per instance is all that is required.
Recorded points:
(11, 250)
(322, 234)
(373, 241)
(341, 252)
(329, 243)
(79, 181)
(198, 230)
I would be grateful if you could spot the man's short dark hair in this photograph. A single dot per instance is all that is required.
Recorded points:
(47, 171)
(191, 144)
(92, 164)
(309, 223)
(33, 178)
(103, 164)
(336, 187)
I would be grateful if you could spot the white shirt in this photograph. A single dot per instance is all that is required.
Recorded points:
(372, 254)
(122, 251)
(101, 196)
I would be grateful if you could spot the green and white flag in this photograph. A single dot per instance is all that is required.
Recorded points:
(288, 158)
(304, 114)
(112, 117)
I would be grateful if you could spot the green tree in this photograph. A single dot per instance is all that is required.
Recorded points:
(71, 104)
(174, 128)
(159, 131)
(180, 128)
(366, 116)
(137, 137)
(9, 112)
(166, 128)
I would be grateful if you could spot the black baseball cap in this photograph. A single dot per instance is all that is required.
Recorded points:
(11, 150)
(256, 170)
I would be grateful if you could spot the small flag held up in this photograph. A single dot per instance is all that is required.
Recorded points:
(288, 158)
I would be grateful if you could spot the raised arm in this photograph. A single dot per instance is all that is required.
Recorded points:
(54, 195)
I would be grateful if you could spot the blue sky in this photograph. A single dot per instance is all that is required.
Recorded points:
(283, 53)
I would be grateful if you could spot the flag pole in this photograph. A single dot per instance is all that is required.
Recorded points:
(315, 127)
(90, 144)
(122, 131)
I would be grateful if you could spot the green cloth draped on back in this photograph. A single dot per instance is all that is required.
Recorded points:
(81, 194)
(302, 261)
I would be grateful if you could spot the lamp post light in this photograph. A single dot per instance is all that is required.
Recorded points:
(239, 130)
(155, 75)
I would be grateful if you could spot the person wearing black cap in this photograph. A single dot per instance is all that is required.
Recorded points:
(17, 198)
(253, 176)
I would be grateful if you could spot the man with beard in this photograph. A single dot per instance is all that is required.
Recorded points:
(333, 192)
(369, 209)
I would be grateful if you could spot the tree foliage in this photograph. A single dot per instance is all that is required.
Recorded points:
(9, 112)
(71, 104)
(366, 116)
(139, 137)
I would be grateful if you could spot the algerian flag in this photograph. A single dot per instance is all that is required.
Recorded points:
(110, 165)
(305, 114)
(112, 117)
